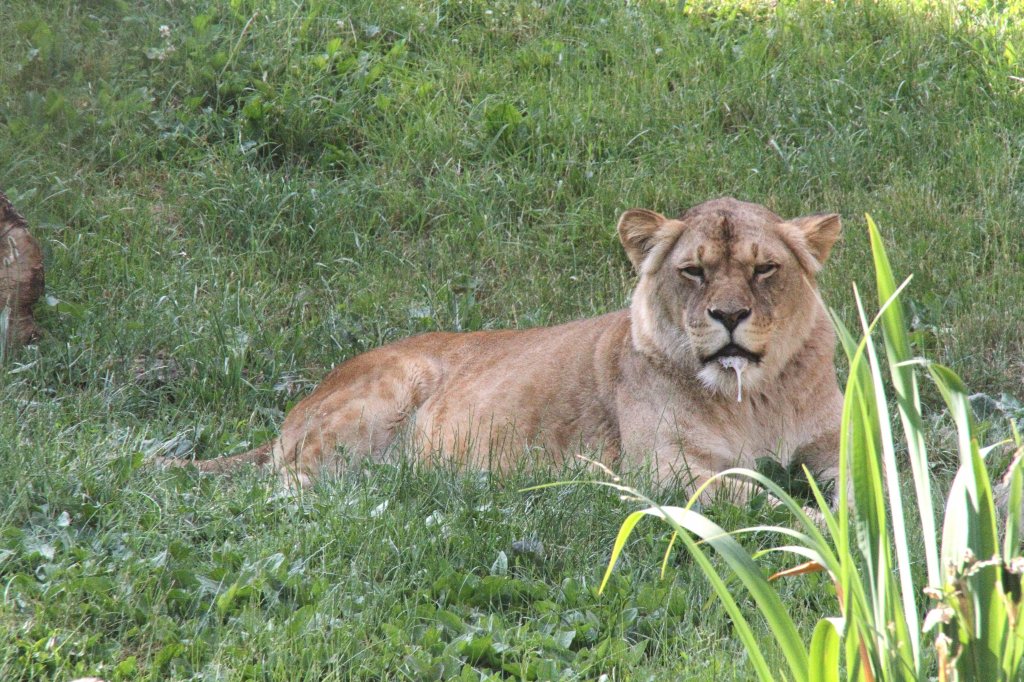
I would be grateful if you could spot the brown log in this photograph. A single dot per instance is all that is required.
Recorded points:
(21, 276)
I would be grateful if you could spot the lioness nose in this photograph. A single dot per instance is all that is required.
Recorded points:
(729, 318)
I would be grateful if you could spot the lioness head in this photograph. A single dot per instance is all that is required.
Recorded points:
(727, 291)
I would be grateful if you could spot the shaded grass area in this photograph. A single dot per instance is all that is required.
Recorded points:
(265, 189)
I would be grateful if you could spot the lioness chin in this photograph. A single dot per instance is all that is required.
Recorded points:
(725, 355)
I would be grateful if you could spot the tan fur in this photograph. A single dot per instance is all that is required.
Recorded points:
(631, 386)
(21, 276)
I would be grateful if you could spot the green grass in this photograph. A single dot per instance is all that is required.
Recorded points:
(291, 186)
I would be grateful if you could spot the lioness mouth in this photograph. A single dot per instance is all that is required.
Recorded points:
(735, 357)
(732, 350)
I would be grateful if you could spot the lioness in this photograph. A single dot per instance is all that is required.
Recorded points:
(724, 355)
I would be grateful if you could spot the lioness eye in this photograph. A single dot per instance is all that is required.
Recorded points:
(693, 272)
(765, 269)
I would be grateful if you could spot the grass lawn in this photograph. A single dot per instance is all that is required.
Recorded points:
(235, 195)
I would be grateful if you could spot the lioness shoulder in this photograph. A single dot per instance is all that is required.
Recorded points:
(724, 355)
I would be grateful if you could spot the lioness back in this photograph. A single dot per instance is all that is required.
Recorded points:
(481, 397)
(724, 355)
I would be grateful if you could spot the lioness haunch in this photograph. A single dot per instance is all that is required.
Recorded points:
(724, 355)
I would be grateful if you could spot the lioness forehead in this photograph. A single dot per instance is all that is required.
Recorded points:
(741, 212)
(727, 228)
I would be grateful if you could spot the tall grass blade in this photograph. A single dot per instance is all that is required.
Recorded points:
(904, 381)
(862, 599)
(620, 541)
(1013, 655)
(776, 615)
(1013, 511)
(823, 657)
(982, 536)
(974, 554)
(906, 627)
(869, 493)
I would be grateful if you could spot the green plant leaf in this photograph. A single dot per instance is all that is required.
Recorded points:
(823, 658)
(905, 640)
(1013, 510)
(625, 530)
(982, 536)
(685, 521)
(971, 542)
(904, 381)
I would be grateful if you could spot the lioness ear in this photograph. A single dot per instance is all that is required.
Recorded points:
(637, 229)
(820, 231)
